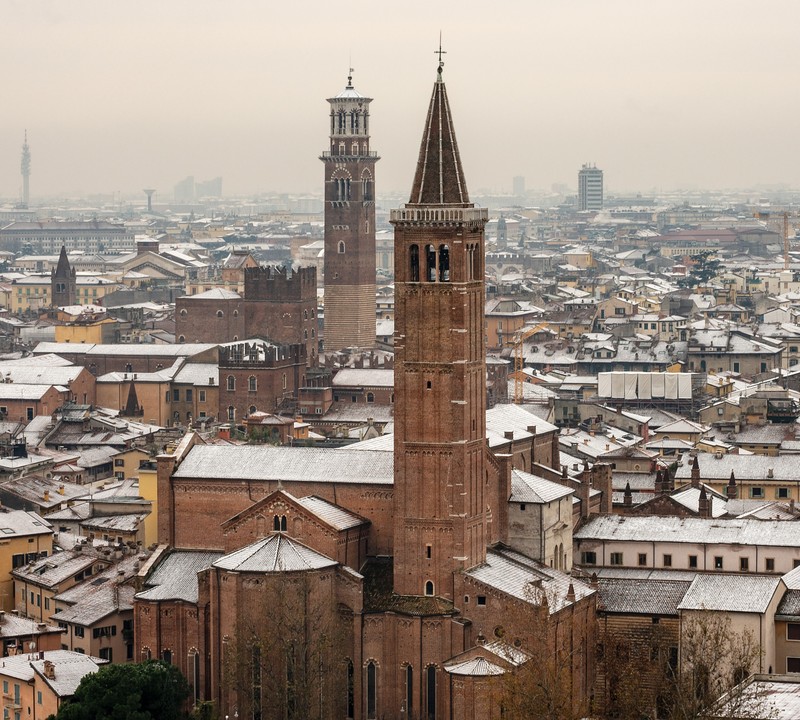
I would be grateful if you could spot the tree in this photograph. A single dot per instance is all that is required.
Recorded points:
(286, 658)
(152, 690)
(543, 685)
(705, 268)
(645, 675)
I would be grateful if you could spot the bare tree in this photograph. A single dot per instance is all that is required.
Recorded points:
(542, 686)
(286, 659)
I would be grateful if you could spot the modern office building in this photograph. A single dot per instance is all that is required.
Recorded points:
(590, 188)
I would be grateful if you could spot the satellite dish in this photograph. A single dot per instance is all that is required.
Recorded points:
(32, 645)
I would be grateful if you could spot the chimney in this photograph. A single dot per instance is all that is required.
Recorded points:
(583, 494)
(704, 504)
(695, 472)
(49, 670)
(60, 489)
(731, 489)
(571, 593)
(46, 496)
(508, 434)
(628, 497)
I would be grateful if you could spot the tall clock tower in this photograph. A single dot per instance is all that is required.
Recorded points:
(440, 454)
(349, 224)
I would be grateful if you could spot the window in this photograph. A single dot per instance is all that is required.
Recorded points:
(693, 561)
(105, 653)
(642, 558)
(431, 692)
(78, 631)
(769, 565)
(793, 631)
(744, 564)
(231, 412)
(231, 383)
(616, 558)
(372, 691)
(757, 492)
(589, 558)
(414, 263)
(481, 600)
(252, 384)
(792, 664)
(106, 631)
(201, 395)
(667, 560)
(351, 694)
(444, 263)
(428, 551)
(717, 562)
(29, 413)
(176, 396)
(189, 395)
(166, 656)
(429, 588)
(370, 397)
(17, 560)
(409, 690)
(430, 267)
(782, 493)
(39, 697)
(341, 247)
(220, 313)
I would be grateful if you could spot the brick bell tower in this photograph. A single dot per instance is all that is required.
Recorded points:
(440, 463)
(349, 224)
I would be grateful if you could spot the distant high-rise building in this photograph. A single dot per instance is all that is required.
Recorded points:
(590, 188)
(26, 172)
(208, 188)
(518, 185)
(184, 190)
(349, 224)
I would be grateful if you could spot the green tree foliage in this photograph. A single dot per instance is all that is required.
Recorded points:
(152, 690)
(705, 268)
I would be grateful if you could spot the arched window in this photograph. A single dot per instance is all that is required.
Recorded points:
(351, 690)
(181, 338)
(429, 588)
(414, 268)
(284, 381)
(231, 382)
(409, 690)
(220, 313)
(341, 247)
(313, 333)
(251, 409)
(283, 523)
(431, 692)
(276, 523)
(252, 383)
(430, 263)
(372, 691)
(305, 314)
(444, 263)
(370, 397)
(194, 668)
(183, 312)
(305, 334)
(235, 313)
(166, 656)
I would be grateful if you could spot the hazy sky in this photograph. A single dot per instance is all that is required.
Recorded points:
(121, 95)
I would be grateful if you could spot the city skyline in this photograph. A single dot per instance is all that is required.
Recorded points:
(663, 95)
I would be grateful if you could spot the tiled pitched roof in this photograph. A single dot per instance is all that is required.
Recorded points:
(641, 597)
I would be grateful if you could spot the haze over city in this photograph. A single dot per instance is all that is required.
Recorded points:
(120, 96)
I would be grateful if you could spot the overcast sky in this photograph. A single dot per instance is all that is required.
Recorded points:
(121, 95)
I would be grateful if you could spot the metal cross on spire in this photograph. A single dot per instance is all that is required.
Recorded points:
(440, 52)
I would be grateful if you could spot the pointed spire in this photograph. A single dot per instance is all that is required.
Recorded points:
(439, 178)
(731, 490)
(695, 472)
(63, 267)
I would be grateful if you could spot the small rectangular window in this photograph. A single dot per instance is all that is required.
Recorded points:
(481, 600)
(589, 558)
(693, 561)
(642, 558)
(718, 562)
(770, 565)
(616, 558)
(793, 631)
(782, 493)
(757, 492)
(201, 395)
(744, 564)
(792, 664)
(667, 560)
